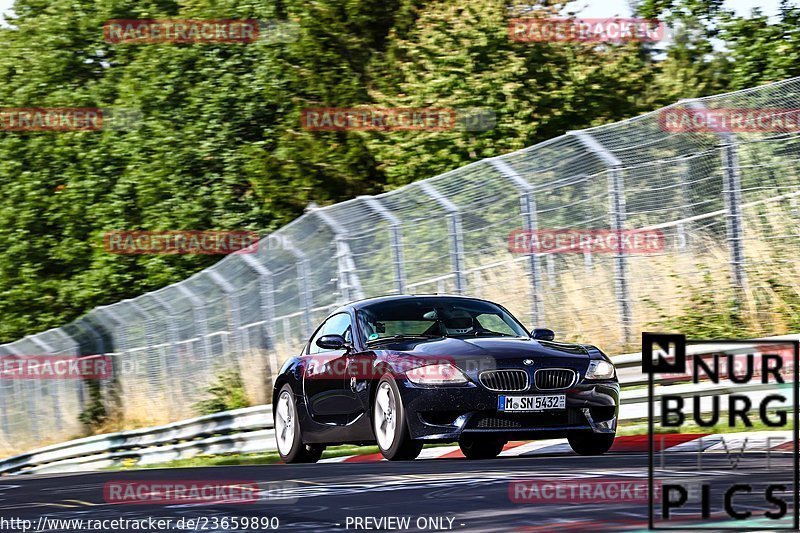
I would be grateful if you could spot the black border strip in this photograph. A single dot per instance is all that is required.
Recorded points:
(708, 526)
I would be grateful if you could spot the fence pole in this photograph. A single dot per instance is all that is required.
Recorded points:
(349, 284)
(100, 344)
(234, 321)
(456, 234)
(172, 313)
(682, 228)
(172, 332)
(29, 395)
(616, 196)
(732, 193)
(51, 388)
(396, 239)
(303, 285)
(111, 321)
(266, 288)
(201, 321)
(6, 400)
(530, 224)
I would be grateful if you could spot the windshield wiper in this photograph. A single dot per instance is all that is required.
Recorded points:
(402, 337)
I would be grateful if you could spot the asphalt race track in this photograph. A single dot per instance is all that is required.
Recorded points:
(445, 494)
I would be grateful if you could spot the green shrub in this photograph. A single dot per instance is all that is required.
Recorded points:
(225, 393)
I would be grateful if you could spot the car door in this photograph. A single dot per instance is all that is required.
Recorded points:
(324, 382)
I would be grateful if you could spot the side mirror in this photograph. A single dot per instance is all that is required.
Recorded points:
(332, 342)
(543, 334)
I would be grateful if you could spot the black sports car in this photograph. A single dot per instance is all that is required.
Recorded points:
(405, 370)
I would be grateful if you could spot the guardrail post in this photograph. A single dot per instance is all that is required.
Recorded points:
(732, 193)
(530, 224)
(303, 286)
(616, 194)
(456, 234)
(396, 239)
(266, 302)
(348, 282)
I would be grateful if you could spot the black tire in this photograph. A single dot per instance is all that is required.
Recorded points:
(298, 452)
(590, 443)
(403, 447)
(481, 447)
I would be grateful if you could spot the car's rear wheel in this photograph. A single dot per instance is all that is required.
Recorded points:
(481, 446)
(590, 443)
(288, 436)
(389, 423)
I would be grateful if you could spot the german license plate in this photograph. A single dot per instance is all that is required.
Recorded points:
(531, 403)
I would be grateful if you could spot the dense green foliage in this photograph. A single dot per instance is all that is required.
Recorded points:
(221, 147)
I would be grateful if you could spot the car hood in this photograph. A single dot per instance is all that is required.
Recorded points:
(497, 347)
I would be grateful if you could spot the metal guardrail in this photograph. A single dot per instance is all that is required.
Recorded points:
(238, 431)
(250, 430)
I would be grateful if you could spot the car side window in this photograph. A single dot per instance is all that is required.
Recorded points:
(339, 324)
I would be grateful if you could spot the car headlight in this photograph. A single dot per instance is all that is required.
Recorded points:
(438, 374)
(600, 370)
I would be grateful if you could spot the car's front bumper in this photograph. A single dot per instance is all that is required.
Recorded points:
(445, 413)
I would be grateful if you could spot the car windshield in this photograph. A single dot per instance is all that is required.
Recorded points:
(436, 317)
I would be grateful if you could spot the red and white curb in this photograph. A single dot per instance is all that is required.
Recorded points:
(754, 441)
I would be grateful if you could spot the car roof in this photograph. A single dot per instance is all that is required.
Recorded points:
(360, 304)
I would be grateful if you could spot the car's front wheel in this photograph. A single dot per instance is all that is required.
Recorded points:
(287, 432)
(590, 443)
(389, 423)
(481, 447)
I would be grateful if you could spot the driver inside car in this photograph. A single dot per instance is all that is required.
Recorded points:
(451, 322)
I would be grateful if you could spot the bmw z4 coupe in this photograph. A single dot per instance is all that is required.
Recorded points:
(402, 371)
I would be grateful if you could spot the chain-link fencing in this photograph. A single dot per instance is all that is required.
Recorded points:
(725, 203)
